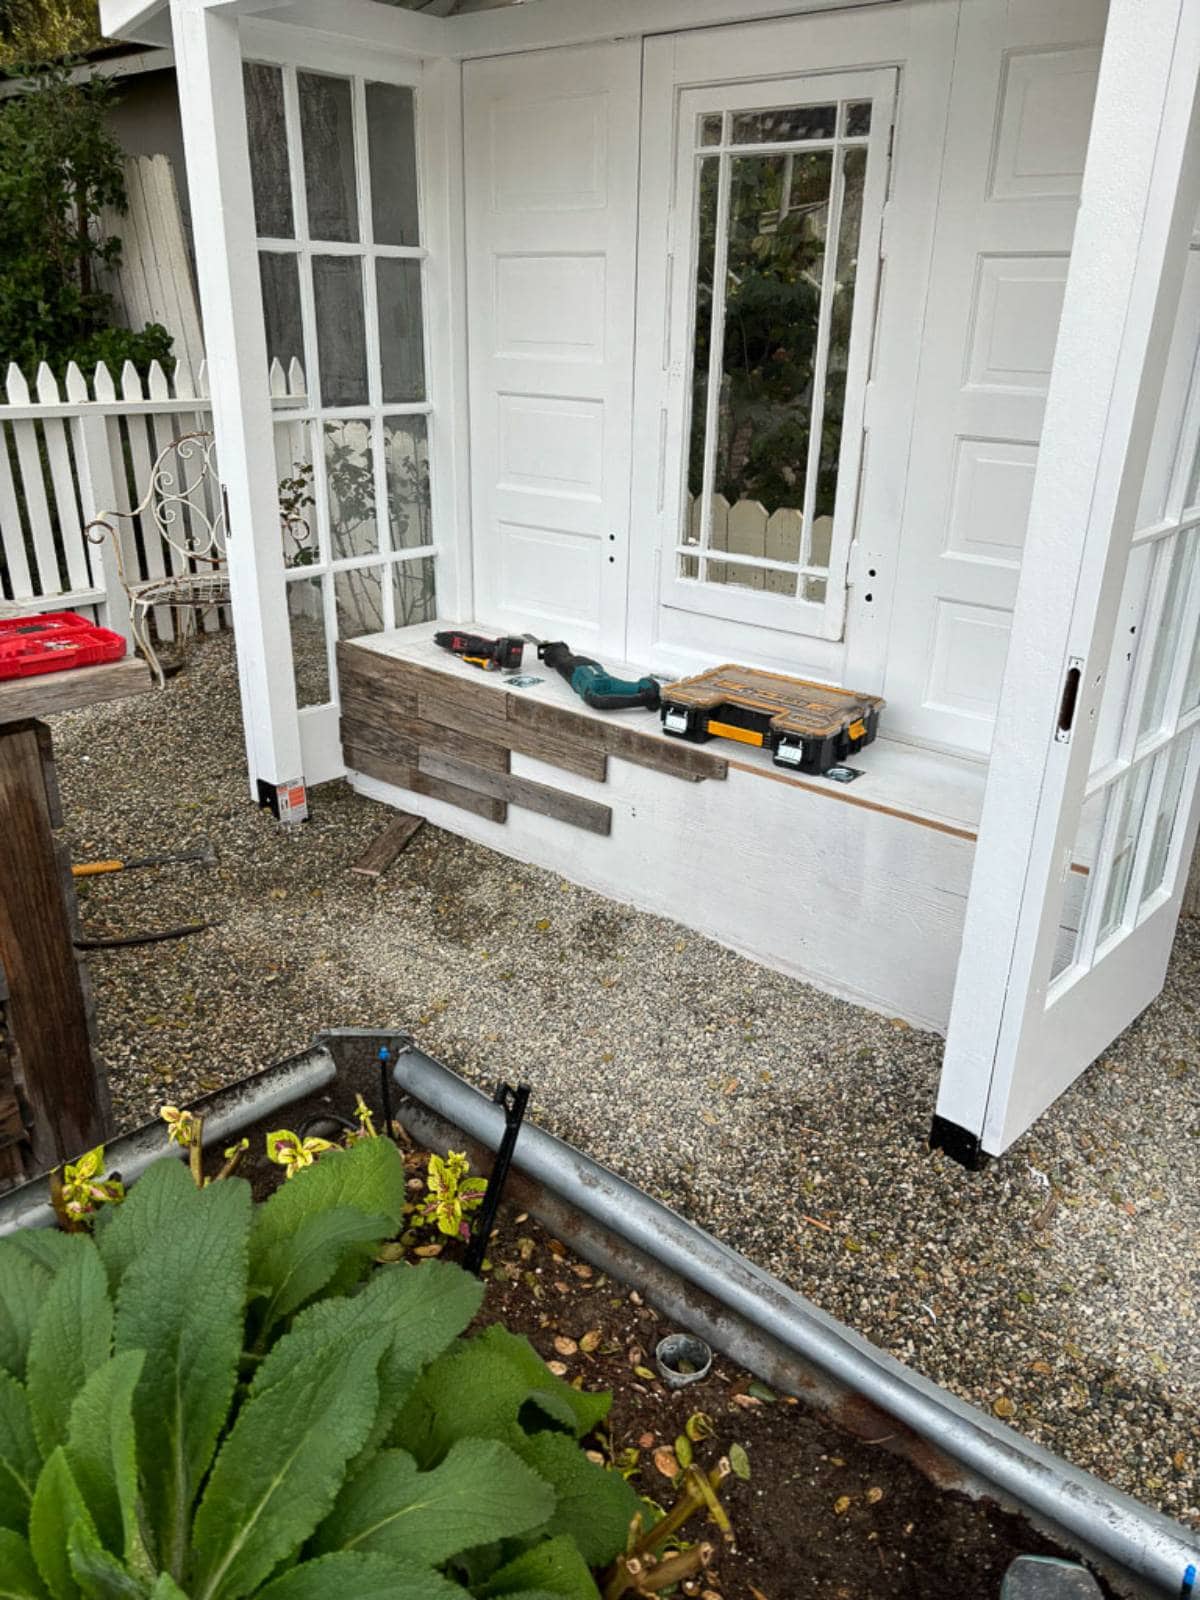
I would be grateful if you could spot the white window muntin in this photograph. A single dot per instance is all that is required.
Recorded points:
(726, 600)
(315, 414)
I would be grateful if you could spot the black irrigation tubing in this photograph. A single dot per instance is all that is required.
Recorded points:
(143, 938)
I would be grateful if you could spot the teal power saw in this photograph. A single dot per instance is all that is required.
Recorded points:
(594, 686)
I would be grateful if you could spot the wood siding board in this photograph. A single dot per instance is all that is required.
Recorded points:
(408, 777)
(21, 698)
(569, 808)
(383, 850)
(572, 754)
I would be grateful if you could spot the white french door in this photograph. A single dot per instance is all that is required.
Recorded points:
(1090, 818)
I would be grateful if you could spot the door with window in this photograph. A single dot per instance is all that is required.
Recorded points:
(1091, 817)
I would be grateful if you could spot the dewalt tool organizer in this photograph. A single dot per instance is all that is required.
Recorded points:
(807, 727)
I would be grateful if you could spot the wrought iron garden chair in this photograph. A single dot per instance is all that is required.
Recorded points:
(184, 505)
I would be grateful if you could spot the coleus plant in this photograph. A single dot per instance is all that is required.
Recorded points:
(209, 1399)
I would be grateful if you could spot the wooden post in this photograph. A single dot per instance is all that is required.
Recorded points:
(46, 1008)
(208, 71)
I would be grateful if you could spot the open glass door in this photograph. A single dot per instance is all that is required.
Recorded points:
(1091, 811)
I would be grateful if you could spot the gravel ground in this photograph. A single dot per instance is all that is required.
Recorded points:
(1058, 1286)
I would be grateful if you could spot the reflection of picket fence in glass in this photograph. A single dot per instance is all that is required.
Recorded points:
(70, 452)
(747, 528)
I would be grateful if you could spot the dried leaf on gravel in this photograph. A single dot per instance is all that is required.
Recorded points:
(646, 1441)
(665, 1461)
(1003, 1406)
(874, 1495)
(739, 1461)
(746, 1401)
(590, 1341)
(841, 1505)
(558, 1368)
(565, 1346)
(698, 1426)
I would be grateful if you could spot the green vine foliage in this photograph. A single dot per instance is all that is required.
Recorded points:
(60, 167)
(213, 1400)
(46, 30)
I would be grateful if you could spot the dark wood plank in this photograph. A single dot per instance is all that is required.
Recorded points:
(366, 675)
(409, 777)
(436, 736)
(570, 753)
(67, 691)
(383, 850)
(46, 1006)
(644, 745)
(523, 792)
(370, 736)
(480, 692)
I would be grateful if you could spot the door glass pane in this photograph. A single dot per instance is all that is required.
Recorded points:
(1180, 554)
(269, 171)
(854, 174)
(413, 591)
(401, 336)
(392, 148)
(327, 131)
(358, 596)
(706, 238)
(1081, 876)
(341, 335)
(350, 478)
(406, 457)
(294, 473)
(710, 129)
(778, 219)
(784, 126)
(858, 119)
(1165, 821)
(310, 659)
(1191, 688)
(280, 276)
(1131, 807)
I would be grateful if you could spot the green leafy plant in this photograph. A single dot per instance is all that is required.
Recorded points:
(60, 169)
(450, 1195)
(211, 1400)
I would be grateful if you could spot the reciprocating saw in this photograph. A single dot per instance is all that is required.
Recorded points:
(593, 684)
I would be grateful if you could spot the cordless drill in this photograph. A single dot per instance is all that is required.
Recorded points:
(593, 684)
(493, 655)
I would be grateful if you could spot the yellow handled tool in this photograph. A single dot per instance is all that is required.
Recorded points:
(206, 856)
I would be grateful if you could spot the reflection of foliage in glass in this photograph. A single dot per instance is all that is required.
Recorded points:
(351, 478)
(778, 216)
(295, 499)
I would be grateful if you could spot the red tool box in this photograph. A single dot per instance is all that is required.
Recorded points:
(52, 642)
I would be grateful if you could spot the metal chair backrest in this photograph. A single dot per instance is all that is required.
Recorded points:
(185, 501)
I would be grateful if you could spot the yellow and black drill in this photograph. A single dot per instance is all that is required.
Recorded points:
(493, 655)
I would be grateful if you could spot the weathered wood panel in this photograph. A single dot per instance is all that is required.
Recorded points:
(570, 808)
(569, 753)
(409, 777)
(644, 749)
(47, 1007)
(21, 698)
(382, 851)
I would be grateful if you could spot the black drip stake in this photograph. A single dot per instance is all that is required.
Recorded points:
(514, 1102)
(385, 1090)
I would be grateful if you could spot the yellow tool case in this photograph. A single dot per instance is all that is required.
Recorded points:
(808, 727)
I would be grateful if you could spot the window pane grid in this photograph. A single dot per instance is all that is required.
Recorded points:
(823, 247)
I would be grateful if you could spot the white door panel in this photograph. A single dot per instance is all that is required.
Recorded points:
(1091, 809)
(551, 152)
(1010, 188)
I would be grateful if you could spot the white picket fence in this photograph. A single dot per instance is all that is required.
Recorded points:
(69, 454)
(747, 528)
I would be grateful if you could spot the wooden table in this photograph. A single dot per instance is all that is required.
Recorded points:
(53, 1101)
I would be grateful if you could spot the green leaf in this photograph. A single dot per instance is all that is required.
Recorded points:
(152, 1205)
(182, 1301)
(103, 1455)
(308, 1412)
(360, 1577)
(555, 1567)
(300, 1265)
(369, 1177)
(20, 1458)
(18, 1575)
(574, 1408)
(739, 1460)
(594, 1506)
(46, 1246)
(97, 1571)
(71, 1338)
(165, 1587)
(57, 1507)
(482, 1491)
(23, 1285)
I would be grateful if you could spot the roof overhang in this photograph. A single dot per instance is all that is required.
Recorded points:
(523, 25)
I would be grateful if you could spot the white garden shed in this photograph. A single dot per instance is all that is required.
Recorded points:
(857, 342)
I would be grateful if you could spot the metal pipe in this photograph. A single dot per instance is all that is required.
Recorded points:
(1158, 1550)
(226, 1112)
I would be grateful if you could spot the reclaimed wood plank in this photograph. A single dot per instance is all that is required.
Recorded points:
(570, 808)
(417, 782)
(383, 850)
(46, 1007)
(357, 735)
(557, 750)
(647, 748)
(42, 696)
